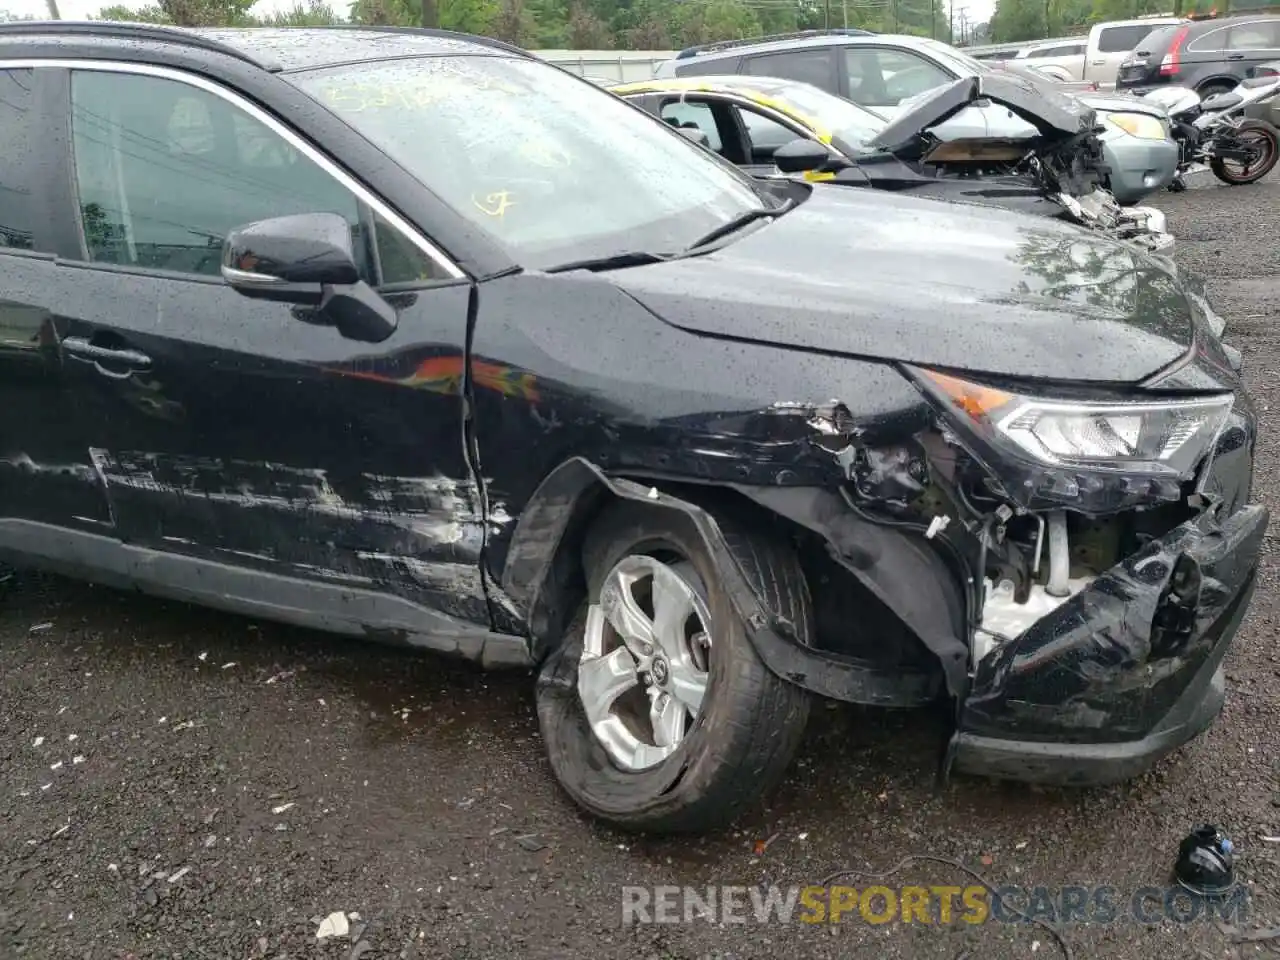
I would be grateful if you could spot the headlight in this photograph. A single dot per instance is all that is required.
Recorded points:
(1060, 450)
(1140, 125)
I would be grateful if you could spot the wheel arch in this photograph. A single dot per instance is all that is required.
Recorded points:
(543, 576)
(1217, 80)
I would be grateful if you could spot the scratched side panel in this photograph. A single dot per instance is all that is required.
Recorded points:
(262, 439)
(45, 471)
(419, 536)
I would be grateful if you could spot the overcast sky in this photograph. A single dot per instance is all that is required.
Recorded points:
(979, 10)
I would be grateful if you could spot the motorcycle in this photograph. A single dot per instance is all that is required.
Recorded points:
(1215, 131)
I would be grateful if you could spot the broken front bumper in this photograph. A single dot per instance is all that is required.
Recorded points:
(1138, 167)
(1125, 671)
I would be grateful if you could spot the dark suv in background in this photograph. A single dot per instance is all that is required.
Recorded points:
(1209, 56)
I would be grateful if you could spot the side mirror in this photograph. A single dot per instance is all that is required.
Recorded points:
(802, 156)
(307, 259)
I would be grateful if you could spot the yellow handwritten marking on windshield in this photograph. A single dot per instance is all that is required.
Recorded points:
(494, 204)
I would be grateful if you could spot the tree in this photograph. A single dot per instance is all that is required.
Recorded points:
(315, 13)
(152, 14)
(573, 24)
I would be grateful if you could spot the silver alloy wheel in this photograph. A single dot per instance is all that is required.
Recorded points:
(644, 668)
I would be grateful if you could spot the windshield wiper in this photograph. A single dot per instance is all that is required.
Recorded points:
(740, 221)
(629, 258)
(638, 258)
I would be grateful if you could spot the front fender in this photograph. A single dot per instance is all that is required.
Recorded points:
(543, 562)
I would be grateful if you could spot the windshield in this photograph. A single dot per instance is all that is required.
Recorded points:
(960, 61)
(556, 169)
(854, 125)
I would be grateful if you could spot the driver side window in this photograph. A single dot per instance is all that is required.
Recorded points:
(166, 170)
(764, 135)
(683, 113)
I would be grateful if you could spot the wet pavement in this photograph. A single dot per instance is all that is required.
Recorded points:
(175, 782)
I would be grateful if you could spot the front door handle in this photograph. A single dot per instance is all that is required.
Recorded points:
(131, 360)
(1235, 56)
(1099, 63)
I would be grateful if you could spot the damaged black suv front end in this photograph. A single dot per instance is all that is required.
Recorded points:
(1030, 494)
(1111, 554)
(1097, 594)
(1117, 553)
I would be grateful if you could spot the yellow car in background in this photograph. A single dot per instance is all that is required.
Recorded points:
(747, 119)
(771, 126)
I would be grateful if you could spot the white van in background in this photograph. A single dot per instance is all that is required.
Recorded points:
(1096, 57)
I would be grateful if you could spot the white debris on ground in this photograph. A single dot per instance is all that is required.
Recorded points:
(334, 925)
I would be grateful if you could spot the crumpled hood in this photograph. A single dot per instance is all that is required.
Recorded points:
(880, 275)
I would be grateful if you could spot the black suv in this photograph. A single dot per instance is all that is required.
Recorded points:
(415, 337)
(1210, 56)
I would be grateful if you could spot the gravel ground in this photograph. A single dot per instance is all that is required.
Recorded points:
(179, 783)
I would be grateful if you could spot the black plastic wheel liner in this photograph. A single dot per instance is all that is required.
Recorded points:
(530, 579)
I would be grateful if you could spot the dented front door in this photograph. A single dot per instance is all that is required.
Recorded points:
(255, 439)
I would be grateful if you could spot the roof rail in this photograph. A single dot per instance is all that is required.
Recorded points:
(128, 31)
(751, 41)
(432, 32)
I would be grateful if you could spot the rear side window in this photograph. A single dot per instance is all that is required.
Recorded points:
(1160, 39)
(808, 66)
(1259, 35)
(19, 160)
(1121, 39)
(698, 66)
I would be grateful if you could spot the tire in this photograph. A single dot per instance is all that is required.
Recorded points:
(1262, 132)
(1218, 86)
(750, 722)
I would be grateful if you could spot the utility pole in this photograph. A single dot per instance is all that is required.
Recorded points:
(828, 14)
(933, 19)
(53, 10)
(951, 23)
(844, 9)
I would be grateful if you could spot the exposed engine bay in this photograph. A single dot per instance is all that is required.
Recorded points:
(1026, 543)
(1063, 165)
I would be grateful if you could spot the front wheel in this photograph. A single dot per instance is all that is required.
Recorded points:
(1264, 140)
(656, 711)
